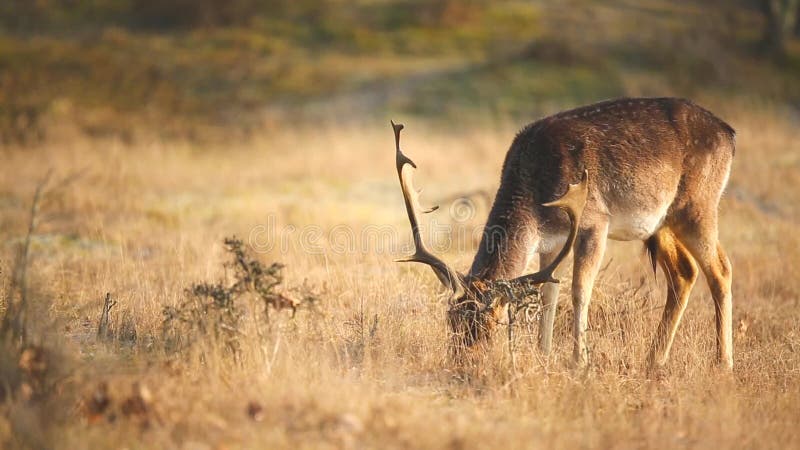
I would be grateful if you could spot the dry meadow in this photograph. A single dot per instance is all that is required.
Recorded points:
(367, 365)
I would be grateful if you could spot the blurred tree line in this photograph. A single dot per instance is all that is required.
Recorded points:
(173, 63)
(98, 56)
(40, 15)
(782, 18)
(21, 15)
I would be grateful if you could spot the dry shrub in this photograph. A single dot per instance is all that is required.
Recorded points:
(217, 310)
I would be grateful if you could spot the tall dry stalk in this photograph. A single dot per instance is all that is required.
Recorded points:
(14, 324)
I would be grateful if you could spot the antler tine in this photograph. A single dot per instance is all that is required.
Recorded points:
(402, 160)
(572, 202)
(445, 273)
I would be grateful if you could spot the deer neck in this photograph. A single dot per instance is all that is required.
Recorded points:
(507, 238)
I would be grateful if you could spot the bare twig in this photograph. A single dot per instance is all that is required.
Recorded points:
(511, 313)
(102, 327)
(15, 319)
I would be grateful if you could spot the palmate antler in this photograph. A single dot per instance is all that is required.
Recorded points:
(572, 202)
(449, 277)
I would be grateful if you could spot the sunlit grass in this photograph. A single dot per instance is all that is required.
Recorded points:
(370, 367)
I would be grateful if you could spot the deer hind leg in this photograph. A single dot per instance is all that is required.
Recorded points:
(588, 253)
(702, 243)
(549, 303)
(681, 273)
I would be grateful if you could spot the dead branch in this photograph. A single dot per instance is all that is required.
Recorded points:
(102, 326)
(14, 320)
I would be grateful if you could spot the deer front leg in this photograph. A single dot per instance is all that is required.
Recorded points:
(588, 254)
(549, 304)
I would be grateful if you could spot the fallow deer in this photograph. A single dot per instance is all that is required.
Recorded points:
(650, 169)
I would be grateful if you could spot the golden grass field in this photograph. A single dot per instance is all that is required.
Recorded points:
(368, 366)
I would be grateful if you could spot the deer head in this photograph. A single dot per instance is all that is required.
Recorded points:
(475, 304)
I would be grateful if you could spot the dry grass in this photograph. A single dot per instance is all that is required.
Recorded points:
(370, 368)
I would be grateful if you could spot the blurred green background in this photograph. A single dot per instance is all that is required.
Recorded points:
(206, 69)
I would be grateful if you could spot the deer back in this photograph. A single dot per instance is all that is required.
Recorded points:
(646, 157)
